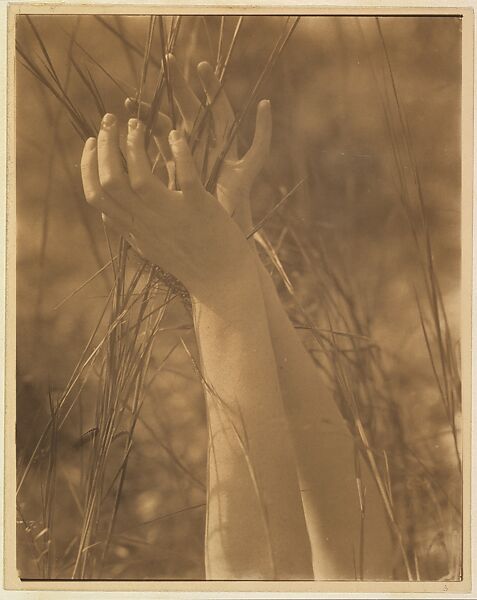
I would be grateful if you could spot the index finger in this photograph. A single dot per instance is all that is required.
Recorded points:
(188, 103)
(160, 127)
(111, 165)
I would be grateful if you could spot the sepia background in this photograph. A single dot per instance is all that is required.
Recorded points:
(365, 252)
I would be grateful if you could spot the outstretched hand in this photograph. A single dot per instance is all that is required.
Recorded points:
(186, 232)
(236, 175)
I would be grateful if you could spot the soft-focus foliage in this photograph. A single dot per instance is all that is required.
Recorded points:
(343, 238)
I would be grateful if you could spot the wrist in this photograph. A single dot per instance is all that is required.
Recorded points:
(227, 292)
(236, 202)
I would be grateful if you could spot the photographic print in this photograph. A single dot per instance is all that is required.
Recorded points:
(239, 297)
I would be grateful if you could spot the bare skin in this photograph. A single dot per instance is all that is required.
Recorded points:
(324, 447)
(255, 521)
(284, 407)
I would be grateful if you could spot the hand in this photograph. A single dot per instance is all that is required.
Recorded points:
(236, 176)
(186, 232)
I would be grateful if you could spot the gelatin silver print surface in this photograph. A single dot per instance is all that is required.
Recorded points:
(238, 297)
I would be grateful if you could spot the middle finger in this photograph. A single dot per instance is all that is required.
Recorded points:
(188, 103)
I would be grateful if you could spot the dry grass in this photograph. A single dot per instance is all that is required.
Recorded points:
(118, 359)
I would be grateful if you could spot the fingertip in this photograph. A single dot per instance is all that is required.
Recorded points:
(264, 105)
(89, 152)
(180, 148)
(187, 176)
(264, 115)
(177, 145)
(174, 137)
(136, 134)
(260, 147)
(90, 144)
(108, 121)
(204, 68)
(206, 74)
(134, 107)
(135, 126)
(130, 104)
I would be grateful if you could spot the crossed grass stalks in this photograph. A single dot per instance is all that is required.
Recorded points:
(122, 342)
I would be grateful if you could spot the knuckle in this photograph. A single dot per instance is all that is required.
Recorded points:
(141, 184)
(135, 139)
(112, 182)
(95, 200)
(103, 139)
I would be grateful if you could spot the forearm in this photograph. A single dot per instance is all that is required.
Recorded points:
(255, 520)
(324, 448)
(326, 460)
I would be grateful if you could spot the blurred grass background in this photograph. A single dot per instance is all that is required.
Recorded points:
(330, 128)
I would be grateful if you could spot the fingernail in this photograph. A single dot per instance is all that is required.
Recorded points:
(204, 67)
(133, 124)
(206, 73)
(108, 120)
(90, 143)
(130, 103)
(174, 136)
